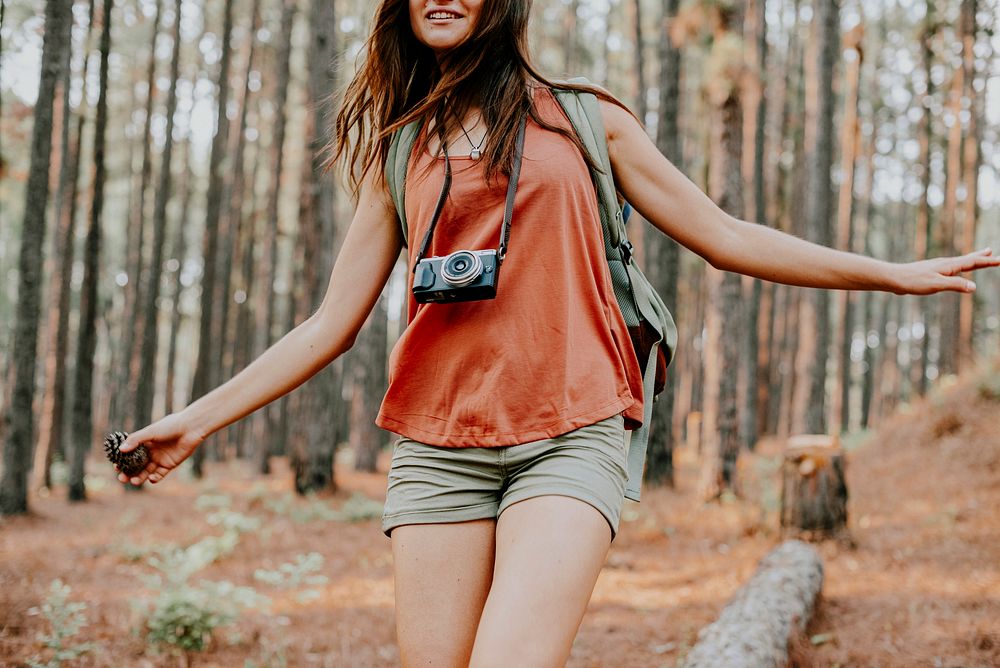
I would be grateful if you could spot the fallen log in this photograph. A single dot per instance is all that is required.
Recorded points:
(754, 629)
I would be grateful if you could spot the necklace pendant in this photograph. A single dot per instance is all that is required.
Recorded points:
(475, 154)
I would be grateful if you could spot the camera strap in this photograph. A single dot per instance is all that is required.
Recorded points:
(508, 212)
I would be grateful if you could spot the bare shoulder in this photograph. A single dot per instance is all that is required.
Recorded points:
(618, 121)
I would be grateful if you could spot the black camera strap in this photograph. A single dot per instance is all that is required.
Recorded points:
(508, 212)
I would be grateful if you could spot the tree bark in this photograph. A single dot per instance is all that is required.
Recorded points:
(849, 138)
(815, 317)
(17, 450)
(971, 157)
(370, 379)
(203, 380)
(233, 219)
(918, 306)
(756, 112)
(147, 376)
(87, 334)
(723, 321)
(321, 397)
(50, 427)
(754, 629)
(130, 361)
(178, 253)
(663, 255)
(814, 487)
(266, 301)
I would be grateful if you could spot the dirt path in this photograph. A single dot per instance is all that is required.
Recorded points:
(922, 587)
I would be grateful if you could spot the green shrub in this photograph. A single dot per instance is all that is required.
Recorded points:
(65, 619)
(296, 574)
(184, 616)
(360, 508)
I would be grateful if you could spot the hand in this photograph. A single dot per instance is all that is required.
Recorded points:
(938, 274)
(170, 441)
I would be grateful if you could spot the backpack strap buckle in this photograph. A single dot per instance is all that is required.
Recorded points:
(627, 251)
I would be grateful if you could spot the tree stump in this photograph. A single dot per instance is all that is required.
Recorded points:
(754, 629)
(813, 489)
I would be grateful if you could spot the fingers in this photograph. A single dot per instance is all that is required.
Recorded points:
(135, 439)
(153, 472)
(957, 284)
(979, 259)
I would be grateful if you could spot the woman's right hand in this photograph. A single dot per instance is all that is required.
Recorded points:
(170, 441)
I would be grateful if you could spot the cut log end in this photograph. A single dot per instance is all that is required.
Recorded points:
(814, 488)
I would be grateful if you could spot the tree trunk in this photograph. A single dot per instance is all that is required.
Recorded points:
(321, 398)
(203, 380)
(755, 627)
(948, 302)
(849, 138)
(640, 62)
(130, 361)
(17, 451)
(233, 219)
(370, 379)
(178, 254)
(756, 112)
(723, 322)
(662, 253)
(147, 377)
(87, 333)
(814, 488)
(815, 319)
(918, 305)
(966, 239)
(265, 307)
(50, 428)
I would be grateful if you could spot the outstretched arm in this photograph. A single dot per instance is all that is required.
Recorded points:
(676, 206)
(362, 268)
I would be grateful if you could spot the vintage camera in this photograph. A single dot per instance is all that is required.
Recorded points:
(462, 276)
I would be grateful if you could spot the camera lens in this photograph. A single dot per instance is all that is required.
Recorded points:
(461, 268)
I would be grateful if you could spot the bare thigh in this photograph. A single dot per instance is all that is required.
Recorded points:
(549, 551)
(442, 577)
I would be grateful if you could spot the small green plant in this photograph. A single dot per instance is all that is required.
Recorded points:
(232, 521)
(184, 615)
(359, 508)
(296, 574)
(65, 620)
(211, 501)
(312, 509)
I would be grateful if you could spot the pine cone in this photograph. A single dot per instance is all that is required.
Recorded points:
(129, 463)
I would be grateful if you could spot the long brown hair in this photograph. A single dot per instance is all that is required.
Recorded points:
(401, 81)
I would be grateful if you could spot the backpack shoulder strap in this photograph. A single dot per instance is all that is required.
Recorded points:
(396, 164)
(636, 297)
(584, 112)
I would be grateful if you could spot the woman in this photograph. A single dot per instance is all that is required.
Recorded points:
(505, 491)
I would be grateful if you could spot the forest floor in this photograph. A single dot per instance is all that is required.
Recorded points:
(920, 586)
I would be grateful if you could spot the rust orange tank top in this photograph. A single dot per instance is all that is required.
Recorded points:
(551, 353)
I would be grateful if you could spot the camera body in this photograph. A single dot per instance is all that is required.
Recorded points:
(462, 276)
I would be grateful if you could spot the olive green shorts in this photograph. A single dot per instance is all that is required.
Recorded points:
(430, 483)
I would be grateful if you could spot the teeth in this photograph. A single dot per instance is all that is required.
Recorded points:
(442, 15)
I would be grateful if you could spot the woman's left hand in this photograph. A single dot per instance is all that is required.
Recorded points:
(938, 274)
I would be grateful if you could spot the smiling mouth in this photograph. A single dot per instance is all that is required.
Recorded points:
(442, 16)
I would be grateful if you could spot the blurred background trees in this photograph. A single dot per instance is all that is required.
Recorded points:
(164, 218)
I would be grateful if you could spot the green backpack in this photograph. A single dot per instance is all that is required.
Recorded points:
(650, 325)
